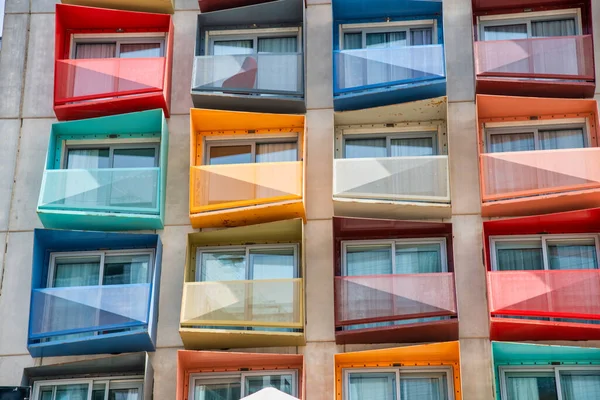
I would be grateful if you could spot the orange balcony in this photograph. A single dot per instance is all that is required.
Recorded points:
(250, 192)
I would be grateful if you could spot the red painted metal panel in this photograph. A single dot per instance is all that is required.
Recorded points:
(215, 5)
(435, 331)
(514, 330)
(530, 88)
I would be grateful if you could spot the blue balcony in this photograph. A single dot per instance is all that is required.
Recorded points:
(387, 52)
(106, 173)
(93, 293)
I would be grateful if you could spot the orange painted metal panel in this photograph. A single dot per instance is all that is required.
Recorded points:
(445, 354)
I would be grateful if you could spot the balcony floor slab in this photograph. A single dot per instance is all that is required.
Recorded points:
(240, 102)
(206, 339)
(390, 209)
(531, 88)
(437, 331)
(514, 330)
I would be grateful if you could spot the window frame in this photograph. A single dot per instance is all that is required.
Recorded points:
(252, 142)
(240, 376)
(112, 146)
(399, 371)
(416, 134)
(134, 379)
(254, 35)
(494, 240)
(385, 27)
(392, 243)
(246, 249)
(489, 131)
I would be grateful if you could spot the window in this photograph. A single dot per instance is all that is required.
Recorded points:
(252, 151)
(284, 40)
(550, 383)
(528, 138)
(393, 145)
(85, 47)
(235, 386)
(398, 384)
(90, 389)
(530, 25)
(388, 35)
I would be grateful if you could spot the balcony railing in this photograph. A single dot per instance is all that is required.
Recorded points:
(72, 310)
(373, 68)
(530, 173)
(383, 298)
(95, 79)
(216, 187)
(133, 190)
(566, 58)
(275, 74)
(255, 303)
(395, 178)
(559, 293)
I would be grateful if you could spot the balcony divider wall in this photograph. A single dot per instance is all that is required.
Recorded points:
(154, 6)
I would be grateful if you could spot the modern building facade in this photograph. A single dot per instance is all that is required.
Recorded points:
(331, 199)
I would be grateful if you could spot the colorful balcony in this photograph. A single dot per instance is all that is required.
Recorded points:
(153, 6)
(267, 74)
(233, 181)
(257, 312)
(81, 189)
(385, 308)
(407, 67)
(516, 183)
(432, 360)
(217, 5)
(111, 79)
(69, 318)
(199, 364)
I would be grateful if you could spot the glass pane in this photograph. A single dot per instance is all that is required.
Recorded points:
(562, 139)
(368, 260)
(95, 50)
(365, 148)
(220, 155)
(421, 36)
(412, 147)
(76, 271)
(223, 266)
(372, 385)
(45, 394)
(418, 258)
(505, 32)
(123, 394)
(580, 386)
(272, 264)
(134, 158)
(280, 382)
(423, 388)
(559, 27)
(140, 50)
(352, 41)
(386, 40)
(126, 269)
(72, 392)
(98, 391)
(88, 158)
(217, 391)
(514, 256)
(572, 255)
(228, 47)
(276, 152)
(511, 142)
(278, 45)
(531, 387)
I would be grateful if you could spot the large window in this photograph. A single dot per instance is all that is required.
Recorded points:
(88, 47)
(530, 25)
(122, 388)
(111, 155)
(266, 42)
(252, 151)
(235, 386)
(550, 383)
(390, 145)
(536, 137)
(398, 384)
(388, 35)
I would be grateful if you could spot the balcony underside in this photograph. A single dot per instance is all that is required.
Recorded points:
(156, 6)
(526, 87)
(436, 331)
(506, 329)
(382, 209)
(542, 204)
(244, 102)
(79, 220)
(122, 342)
(360, 99)
(198, 339)
(249, 215)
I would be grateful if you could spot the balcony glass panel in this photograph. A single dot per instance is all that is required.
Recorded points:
(69, 310)
(380, 298)
(529, 173)
(105, 189)
(420, 178)
(93, 79)
(276, 73)
(250, 303)
(568, 58)
(372, 68)
(560, 293)
(237, 185)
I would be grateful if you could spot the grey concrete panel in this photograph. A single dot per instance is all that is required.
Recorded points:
(39, 78)
(317, 2)
(8, 155)
(43, 6)
(2, 263)
(181, 5)
(596, 38)
(164, 363)
(476, 369)
(11, 369)
(183, 55)
(320, 371)
(319, 57)
(12, 63)
(178, 171)
(16, 6)
(319, 164)
(28, 176)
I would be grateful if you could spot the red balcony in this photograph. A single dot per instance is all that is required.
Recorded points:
(93, 87)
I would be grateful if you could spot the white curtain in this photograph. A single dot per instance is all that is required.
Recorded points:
(232, 47)
(217, 391)
(86, 159)
(377, 69)
(126, 269)
(95, 50)
(423, 388)
(421, 36)
(372, 386)
(511, 142)
(560, 56)
(278, 64)
(559, 27)
(140, 50)
(418, 258)
(123, 394)
(412, 147)
(580, 387)
(368, 260)
(223, 266)
(365, 148)
(522, 388)
(85, 81)
(276, 152)
(272, 264)
(72, 392)
(565, 256)
(515, 258)
(505, 32)
(561, 139)
(282, 383)
(352, 41)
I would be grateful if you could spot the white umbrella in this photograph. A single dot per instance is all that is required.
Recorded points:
(269, 394)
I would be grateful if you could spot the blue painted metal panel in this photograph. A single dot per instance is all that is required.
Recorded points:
(142, 338)
(354, 9)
